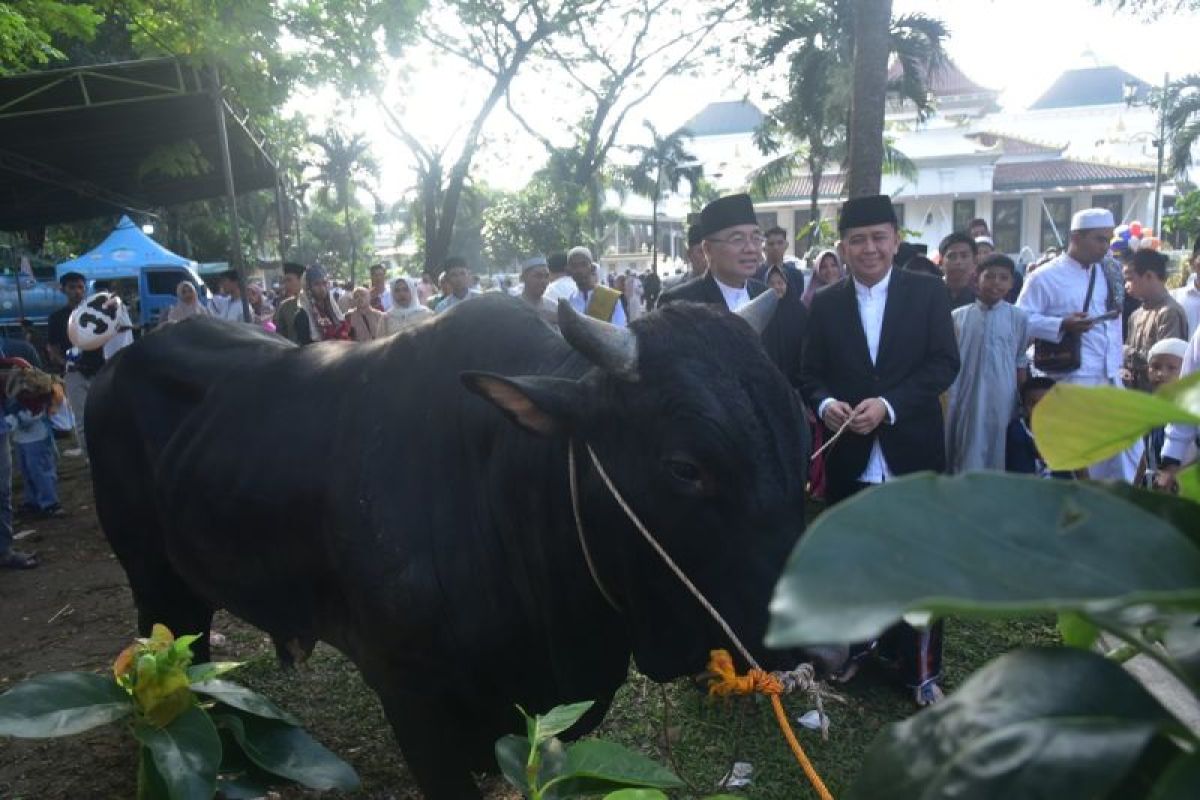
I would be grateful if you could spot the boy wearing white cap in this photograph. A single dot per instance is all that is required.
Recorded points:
(1166, 365)
(1073, 296)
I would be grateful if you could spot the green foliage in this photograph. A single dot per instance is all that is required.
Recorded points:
(534, 220)
(1033, 723)
(1111, 559)
(182, 755)
(1185, 219)
(938, 545)
(815, 41)
(29, 29)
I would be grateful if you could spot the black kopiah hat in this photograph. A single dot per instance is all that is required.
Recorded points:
(859, 212)
(725, 212)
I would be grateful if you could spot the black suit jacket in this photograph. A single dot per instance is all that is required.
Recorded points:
(705, 290)
(917, 361)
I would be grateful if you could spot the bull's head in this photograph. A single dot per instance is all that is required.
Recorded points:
(705, 439)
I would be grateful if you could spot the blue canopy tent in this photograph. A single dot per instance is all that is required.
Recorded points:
(130, 258)
(122, 255)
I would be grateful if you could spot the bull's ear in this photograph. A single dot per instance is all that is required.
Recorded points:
(538, 404)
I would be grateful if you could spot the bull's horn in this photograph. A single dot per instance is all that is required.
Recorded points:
(759, 311)
(611, 348)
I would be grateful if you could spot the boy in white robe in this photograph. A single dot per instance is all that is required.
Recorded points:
(992, 340)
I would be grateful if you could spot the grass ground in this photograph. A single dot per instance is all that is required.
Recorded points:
(706, 736)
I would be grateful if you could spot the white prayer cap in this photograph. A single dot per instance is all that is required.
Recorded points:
(1168, 347)
(580, 251)
(1091, 218)
(985, 240)
(534, 261)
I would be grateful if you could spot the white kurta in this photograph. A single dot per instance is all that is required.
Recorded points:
(560, 289)
(579, 301)
(1188, 296)
(1057, 290)
(1181, 439)
(983, 398)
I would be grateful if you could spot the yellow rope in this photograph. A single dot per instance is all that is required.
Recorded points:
(726, 681)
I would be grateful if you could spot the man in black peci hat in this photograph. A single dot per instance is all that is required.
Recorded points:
(732, 244)
(285, 314)
(881, 350)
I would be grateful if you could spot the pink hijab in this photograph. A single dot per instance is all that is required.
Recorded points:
(816, 283)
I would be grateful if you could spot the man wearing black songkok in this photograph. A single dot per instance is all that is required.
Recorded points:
(880, 351)
(732, 245)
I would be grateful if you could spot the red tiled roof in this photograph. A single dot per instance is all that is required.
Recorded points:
(1013, 145)
(1064, 172)
(799, 187)
(946, 81)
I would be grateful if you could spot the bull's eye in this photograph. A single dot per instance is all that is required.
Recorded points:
(685, 473)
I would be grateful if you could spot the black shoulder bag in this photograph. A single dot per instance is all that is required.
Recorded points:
(1064, 355)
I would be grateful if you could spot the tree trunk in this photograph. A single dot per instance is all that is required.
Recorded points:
(349, 237)
(816, 171)
(872, 24)
(654, 222)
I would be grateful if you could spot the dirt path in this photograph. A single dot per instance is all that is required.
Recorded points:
(72, 613)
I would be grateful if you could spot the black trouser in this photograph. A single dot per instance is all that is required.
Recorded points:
(916, 653)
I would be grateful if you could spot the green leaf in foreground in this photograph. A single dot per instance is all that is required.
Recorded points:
(1115, 419)
(1076, 630)
(1181, 781)
(985, 543)
(593, 766)
(288, 751)
(186, 754)
(558, 719)
(231, 694)
(62, 703)
(1052, 722)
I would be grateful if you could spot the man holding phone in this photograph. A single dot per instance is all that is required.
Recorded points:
(1072, 295)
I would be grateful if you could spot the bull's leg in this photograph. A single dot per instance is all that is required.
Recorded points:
(431, 744)
(164, 599)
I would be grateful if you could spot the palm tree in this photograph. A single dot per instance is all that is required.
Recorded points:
(663, 165)
(816, 40)
(346, 165)
(1181, 109)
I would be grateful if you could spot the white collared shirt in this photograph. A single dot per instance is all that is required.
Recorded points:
(735, 297)
(579, 301)
(1188, 296)
(872, 301)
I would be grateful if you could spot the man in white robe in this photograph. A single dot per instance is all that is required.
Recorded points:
(1053, 297)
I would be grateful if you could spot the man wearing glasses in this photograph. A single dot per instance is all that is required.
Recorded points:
(733, 247)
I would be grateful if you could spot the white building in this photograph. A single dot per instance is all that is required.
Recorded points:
(1025, 172)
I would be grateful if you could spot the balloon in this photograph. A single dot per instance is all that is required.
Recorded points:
(1147, 233)
(1119, 245)
(96, 320)
(1126, 234)
(1121, 230)
(1134, 243)
(1135, 228)
(1154, 243)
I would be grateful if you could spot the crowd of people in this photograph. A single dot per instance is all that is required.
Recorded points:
(908, 360)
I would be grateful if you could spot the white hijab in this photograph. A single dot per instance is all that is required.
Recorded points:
(401, 317)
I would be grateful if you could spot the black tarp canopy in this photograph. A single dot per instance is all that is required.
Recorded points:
(77, 143)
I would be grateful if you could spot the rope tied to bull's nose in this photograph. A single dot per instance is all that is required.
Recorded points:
(758, 680)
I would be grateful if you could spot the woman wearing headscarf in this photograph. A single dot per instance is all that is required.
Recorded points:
(406, 308)
(367, 323)
(318, 318)
(189, 303)
(260, 307)
(784, 337)
(827, 270)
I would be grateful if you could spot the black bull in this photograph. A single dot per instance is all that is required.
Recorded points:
(360, 495)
